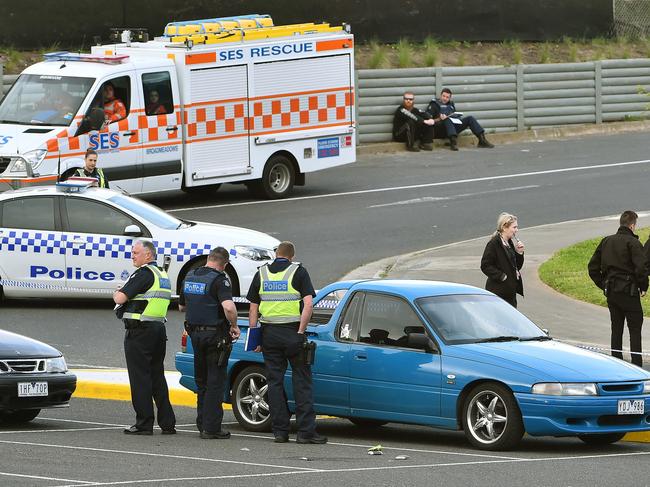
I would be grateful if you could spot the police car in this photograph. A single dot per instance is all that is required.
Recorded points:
(72, 240)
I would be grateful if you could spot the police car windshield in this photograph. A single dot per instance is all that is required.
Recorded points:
(44, 100)
(147, 212)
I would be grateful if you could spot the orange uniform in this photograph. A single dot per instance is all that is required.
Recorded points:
(114, 110)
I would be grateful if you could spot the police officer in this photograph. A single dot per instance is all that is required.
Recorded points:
(144, 299)
(90, 169)
(211, 321)
(281, 297)
(619, 268)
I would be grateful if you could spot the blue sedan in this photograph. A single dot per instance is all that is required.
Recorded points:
(448, 356)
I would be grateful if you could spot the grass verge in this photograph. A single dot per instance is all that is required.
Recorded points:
(566, 272)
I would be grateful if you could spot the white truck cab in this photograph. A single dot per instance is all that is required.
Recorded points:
(205, 104)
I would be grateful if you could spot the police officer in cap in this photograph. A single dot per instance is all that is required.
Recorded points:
(281, 295)
(142, 304)
(619, 268)
(90, 169)
(211, 321)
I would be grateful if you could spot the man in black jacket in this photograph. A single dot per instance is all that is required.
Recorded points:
(411, 124)
(449, 124)
(619, 267)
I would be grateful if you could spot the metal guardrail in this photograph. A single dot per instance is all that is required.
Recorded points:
(503, 98)
(7, 81)
(510, 98)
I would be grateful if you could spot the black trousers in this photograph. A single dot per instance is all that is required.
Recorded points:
(282, 345)
(210, 379)
(448, 128)
(624, 307)
(144, 349)
(411, 131)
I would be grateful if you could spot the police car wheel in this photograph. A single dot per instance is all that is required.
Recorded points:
(201, 190)
(200, 262)
(20, 416)
(250, 399)
(277, 179)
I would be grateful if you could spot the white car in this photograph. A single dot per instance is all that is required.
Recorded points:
(67, 241)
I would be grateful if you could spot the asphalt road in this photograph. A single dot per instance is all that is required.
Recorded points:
(84, 445)
(381, 206)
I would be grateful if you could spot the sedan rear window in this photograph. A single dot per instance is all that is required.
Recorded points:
(29, 213)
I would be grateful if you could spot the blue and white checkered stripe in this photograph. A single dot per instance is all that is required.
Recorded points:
(97, 246)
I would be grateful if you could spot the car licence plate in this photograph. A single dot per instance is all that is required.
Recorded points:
(32, 389)
(631, 406)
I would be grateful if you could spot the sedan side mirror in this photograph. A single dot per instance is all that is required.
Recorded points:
(421, 341)
(133, 231)
(546, 331)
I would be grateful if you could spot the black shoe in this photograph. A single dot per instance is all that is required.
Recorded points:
(281, 439)
(426, 146)
(483, 142)
(221, 435)
(316, 439)
(133, 430)
(453, 143)
(412, 148)
(171, 431)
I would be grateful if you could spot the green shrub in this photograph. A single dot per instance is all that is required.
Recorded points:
(404, 53)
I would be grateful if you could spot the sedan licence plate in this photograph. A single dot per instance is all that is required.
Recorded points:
(631, 406)
(32, 389)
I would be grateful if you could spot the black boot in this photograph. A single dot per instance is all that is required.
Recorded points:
(453, 142)
(483, 142)
(412, 148)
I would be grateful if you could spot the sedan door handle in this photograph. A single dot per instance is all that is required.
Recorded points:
(128, 134)
(80, 242)
(171, 129)
(360, 356)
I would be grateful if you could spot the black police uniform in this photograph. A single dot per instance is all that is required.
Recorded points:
(204, 289)
(448, 128)
(619, 267)
(282, 344)
(145, 344)
(409, 126)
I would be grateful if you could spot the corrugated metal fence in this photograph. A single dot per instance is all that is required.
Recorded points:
(517, 97)
(504, 99)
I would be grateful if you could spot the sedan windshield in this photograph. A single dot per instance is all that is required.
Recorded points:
(477, 318)
(147, 212)
(44, 100)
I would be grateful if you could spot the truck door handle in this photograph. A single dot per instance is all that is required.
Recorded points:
(171, 129)
(360, 356)
(128, 134)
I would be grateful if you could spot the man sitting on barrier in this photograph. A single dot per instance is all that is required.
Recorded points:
(450, 123)
(411, 124)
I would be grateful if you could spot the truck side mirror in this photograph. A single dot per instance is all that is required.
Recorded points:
(421, 341)
(133, 231)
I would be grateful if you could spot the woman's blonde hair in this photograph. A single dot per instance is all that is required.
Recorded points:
(504, 220)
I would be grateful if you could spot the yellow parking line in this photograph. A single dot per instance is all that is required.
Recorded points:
(638, 437)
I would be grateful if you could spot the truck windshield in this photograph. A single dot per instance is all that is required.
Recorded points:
(44, 100)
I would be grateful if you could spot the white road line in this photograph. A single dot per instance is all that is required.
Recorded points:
(430, 199)
(370, 469)
(77, 482)
(80, 422)
(419, 186)
(60, 430)
(147, 454)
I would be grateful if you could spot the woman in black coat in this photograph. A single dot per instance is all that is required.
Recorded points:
(502, 260)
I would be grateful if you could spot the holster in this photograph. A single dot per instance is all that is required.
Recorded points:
(309, 352)
(224, 348)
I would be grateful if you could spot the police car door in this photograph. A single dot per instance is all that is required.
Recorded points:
(100, 258)
(32, 247)
(160, 129)
(117, 143)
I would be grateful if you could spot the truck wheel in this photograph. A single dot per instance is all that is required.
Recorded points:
(20, 416)
(250, 399)
(201, 190)
(601, 439)
(277, 179)
(491, 418)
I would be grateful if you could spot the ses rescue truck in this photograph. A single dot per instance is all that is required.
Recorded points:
(211, 101)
